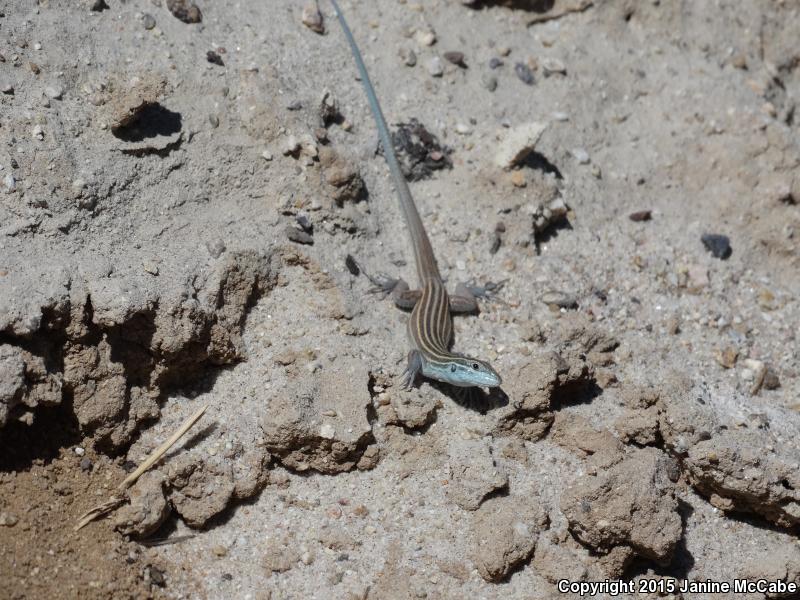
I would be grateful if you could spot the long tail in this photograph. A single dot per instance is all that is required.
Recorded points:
(423, 252)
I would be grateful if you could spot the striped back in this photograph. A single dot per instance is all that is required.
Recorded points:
(430, 326)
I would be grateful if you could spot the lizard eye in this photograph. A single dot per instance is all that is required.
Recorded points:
(475, 366)
(453, 368)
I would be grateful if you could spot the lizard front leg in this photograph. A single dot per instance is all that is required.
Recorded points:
(413, 368)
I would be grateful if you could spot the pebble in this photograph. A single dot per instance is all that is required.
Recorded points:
(86, 464)
(215, 248)
(435, 67)
(463, 129)
(553, 66)
(9, 182)
(495, 63)
(581, 155)
(267, 155)
(560, 116)
(7, 520)
(409, 57)
(524, 73)
(457, 58)
(489, 82)
(148, 21)
(79, 451)
(518, 179)
(214, 58)
(312, 18)
(37, 132)
(726, 357)
(718, 245)
(213, 120)
(425, 37)
(219, 550)
(559, 299)
(640, 215)
(7, 87)
(54, 92)
(298, 236)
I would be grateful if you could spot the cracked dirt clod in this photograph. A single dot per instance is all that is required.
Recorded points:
(534, 388)
(628, 510)
(147, 508)
(300, 430)
(129, 99)
(504, 533)
(576, 434)
(737, 474)
(474, 474)
(119, 344)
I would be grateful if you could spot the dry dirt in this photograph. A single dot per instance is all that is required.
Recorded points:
(180, 188)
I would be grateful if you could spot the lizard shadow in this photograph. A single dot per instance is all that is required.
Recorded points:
(475, 399)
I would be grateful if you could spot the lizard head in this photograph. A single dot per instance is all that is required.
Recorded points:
(463, 371)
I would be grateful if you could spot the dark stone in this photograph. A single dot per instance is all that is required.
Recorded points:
(718, 245)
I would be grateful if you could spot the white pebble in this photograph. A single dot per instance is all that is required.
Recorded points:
(435, 67)
(79, 451)
(463, 129)
(10, 182)
(581, 155)
(54, 92)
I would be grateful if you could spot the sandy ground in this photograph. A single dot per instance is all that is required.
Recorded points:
(177, 203)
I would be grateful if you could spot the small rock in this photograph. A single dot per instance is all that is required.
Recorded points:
(489, 82)
(185, 11)
(213, 121)
(771, 380)
(79, 451)
(640, 215)
(463, 129)
(54, 92)
(434, 66)
(425, 37)
(215, 248)
(312, 18)
(299, 237)
(718, 245)
(86, 464)
(37, 132)
(495, 63)
(457, 58)
(553, 66)
(219, 550)
(9, 182)
(267, 155)
(7, 519)
(518, 179)
(559, 299)
(518, 144)
(581, 155)
(214, 58)
(726, 356)
(148, 21)
(409, 57)
(524, 73)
